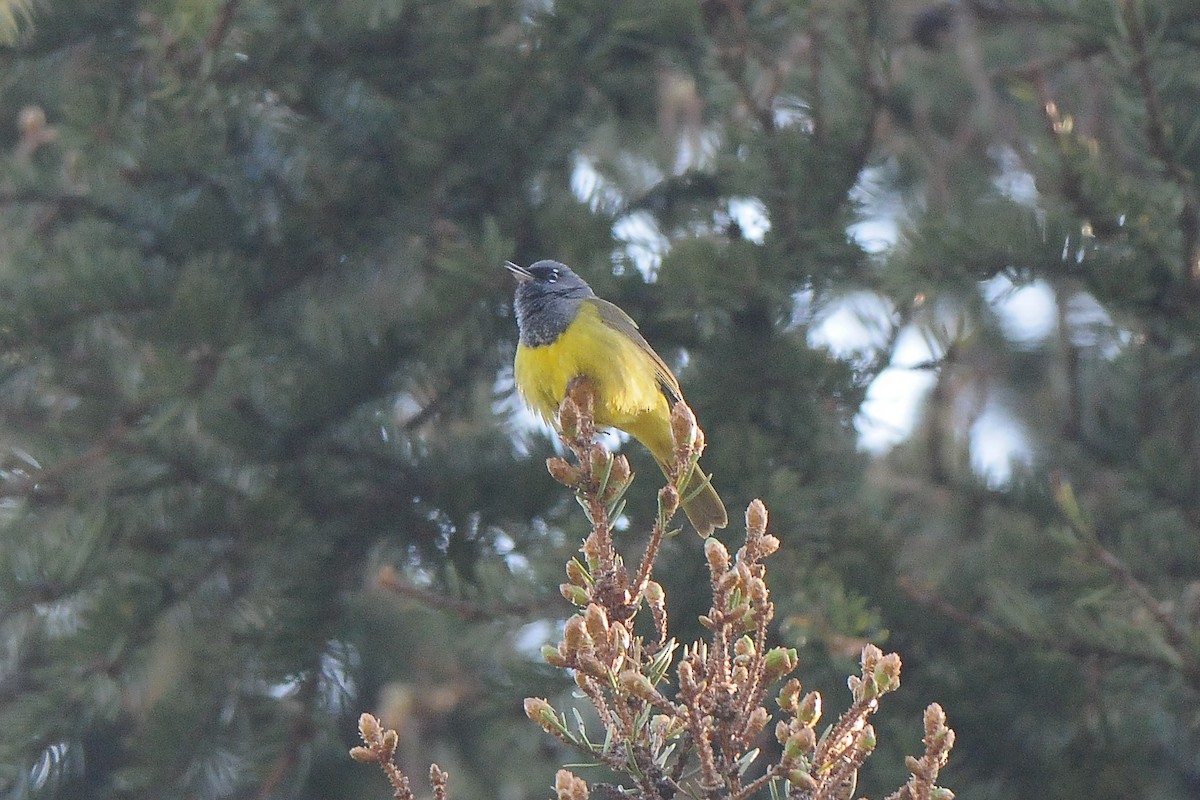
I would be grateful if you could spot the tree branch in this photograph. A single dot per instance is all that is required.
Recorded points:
(1160, 146)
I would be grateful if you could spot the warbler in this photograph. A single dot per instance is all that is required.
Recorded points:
(566, 331)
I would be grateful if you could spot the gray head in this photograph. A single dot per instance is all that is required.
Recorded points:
(547, 300)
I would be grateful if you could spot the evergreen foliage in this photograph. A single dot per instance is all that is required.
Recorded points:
(262, 467)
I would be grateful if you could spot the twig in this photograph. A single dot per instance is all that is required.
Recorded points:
(1037, 67)
(380, 749)
(387, 578)
(1072, 647)
(1179, 638)
(221, 29)
(36, 484)
(66, 204)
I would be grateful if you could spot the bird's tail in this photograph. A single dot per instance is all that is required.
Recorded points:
(701, 503)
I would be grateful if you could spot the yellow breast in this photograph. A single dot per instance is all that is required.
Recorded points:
(623, 374)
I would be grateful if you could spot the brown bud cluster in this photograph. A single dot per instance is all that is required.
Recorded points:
(619, 477)
(698, 739)
(668, 500)
(577, 574)
(570, 787)
(565, 473)
(541, 712)
(380, 743)
(880, 675)
(780, 661)
(637, 685)
(568, 418)
(575, 595)
(684, 430)
(718, 707)
(717, 556)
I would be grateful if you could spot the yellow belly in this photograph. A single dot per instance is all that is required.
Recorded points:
(628, 396)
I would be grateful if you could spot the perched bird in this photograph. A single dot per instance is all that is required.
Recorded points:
(568, 332)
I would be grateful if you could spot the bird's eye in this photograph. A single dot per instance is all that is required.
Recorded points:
(553, 276)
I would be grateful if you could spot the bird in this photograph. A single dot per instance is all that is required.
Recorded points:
(566, 332)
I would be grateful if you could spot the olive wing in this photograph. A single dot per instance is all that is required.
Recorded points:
(612, 316)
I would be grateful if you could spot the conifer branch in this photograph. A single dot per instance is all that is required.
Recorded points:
(1158, 138)
(47, 482)
(1036, 68)
(388, 579)
(1069, 646)
(67, 205)
(1177, 637)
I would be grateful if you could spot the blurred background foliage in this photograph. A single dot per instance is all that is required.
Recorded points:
(929, 273)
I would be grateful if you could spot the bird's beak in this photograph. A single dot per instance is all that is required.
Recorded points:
(520, 273)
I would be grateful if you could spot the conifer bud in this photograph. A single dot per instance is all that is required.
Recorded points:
(599, 460)
(756, 590)
(687, 675)
(803, 781)
(867, 742)
(581, 392)
(568, 418)
(935, 718)
(620, 474)
(369, 728)
(887, 673)
(870, 657)
(569, 786)
(749, 620)
(575, 595)
(621, 639)
(809, 711)
(668, 499)
(789, 694)
(743, 649)
(576, 573)
(727, 581)
(655, 595)
(576, 637)
(756, 517)
(683, 426)
(637, 685)
(758, 720)
(716, 555)
(780, 661)
(592, 667)
(593, 549)
(767, 545)
(566, 474)
(540, 711)
(553, 657)
(799, 744)
(597, 622)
